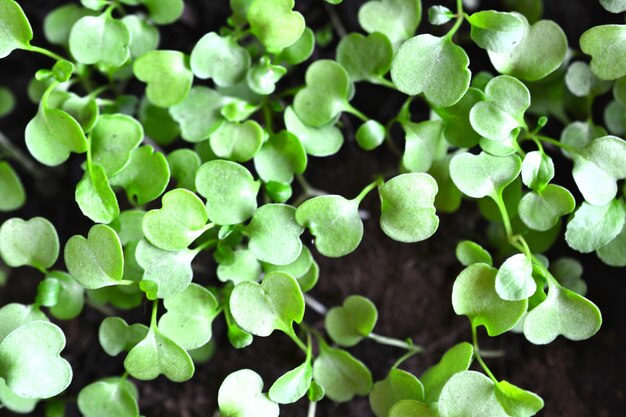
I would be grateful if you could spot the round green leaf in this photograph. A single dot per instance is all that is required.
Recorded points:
(469, 394)
(458, 130)
(167, 74)
(97, 261)
(614, 6)
(396, 19)
(112, 139)
(100, 40)
(581, 82)
(468, 253)
(31, 242)
(580, 134)
(607, 46)
(144, 37)
(180, 221)
(263, 77)
(516, 401)
(166, 272)
(457, 359)
(198, 115)
(349, 324)
(537, 170)
(158, 123)
(240, 395)
(59, 22)
(407, 207)
(52, 135)
(484, 175)
(413, 72)
(243, 267)
(514, 280)
(397, 386)
(219, 58)
(230, 191)
(341, 375)
(592, 227)
(16, 30)
(496, 31)
(116, 336)
(280, 158)
(14, 316)
(189, 317)
(15, 403)
(540, 52)
(156, 354)
(272, 305)
(542, 211)
(70, 297)
(293, 385)
(439, 15)
(320, 141)
(11, 188)
(238, 142)
(474, 295)
(365, 58)
(30, 361)
(424, 144)
(164, 12)
(275, 234)
(111, 397)
(7, 101)
(613, 253)
(413, 408)
(184, 164)
(568, 272)
(145, 177)
(335, 223)
(263, 15)
(370, 135)
(301, 50)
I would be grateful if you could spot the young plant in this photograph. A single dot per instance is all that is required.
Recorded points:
(213, 158)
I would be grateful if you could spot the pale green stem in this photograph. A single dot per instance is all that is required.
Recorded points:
(459, 20)
(390, 341)
(349, 109)
(43, 51)
(312, 409)
(153, 318)
(479, 358)
(367, 190)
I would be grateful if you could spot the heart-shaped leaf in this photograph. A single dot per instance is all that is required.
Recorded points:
(540, 52)
(272, 305)
(230, 191)
(14, 402)
(144, 36)
(167, 74)
(413, 73)
(180, 221)
(568, 272)
(514, 280)
(16, 30)
(424, 144)
(335, 223)
(365, 58)
(320, 141)
(11, 188)
(325, 95)
(156, 354)
(496, 31)
(413, 408)
(43, 377)
(100, 40)
(352, 322)
(304, 269)
(598, 166)
(293, 385)
(31, 242)
(607, 48)
(542, 211)
(158, 123)
(164, 12)
(397, 386)
(458, 130)
(13, 316)
(238, 142)
(516, 401)
(263, 15)
(407, 210)
(52, 135)
(70, 298)
(59, 22)
(263, 77)
(166, 273)
(564, 313)
(275, 234)
(112, 139)
(340, 374)
(280, 158)
(457, 359)
(537, 170)
(189, 317)
(241, 395)
(145, 177)
(579, 134)
(396, 19)
(474, 295)
(109, 397)
(581, 82)
(468, 253)
(97, 261)
(592, 227)
(198, 115)
(219, 58)
(484, 175)
(469, 394)
(613, 252)
(301, 50)
(116, 336)
(243, 267)
(184, 164)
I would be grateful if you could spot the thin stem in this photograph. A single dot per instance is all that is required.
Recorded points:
(355, 112)
(335, 20)
(17, 155)
(459, 20)
(478, 357)
(267, 116)
(315, 305)
(384, 82)
(153, 318)
(505, 216)
(556, 143)
(44, 51)
(390, 341)
(312, 409)
(308, 188)
(406, 356)
(366, 190)
(297, 341)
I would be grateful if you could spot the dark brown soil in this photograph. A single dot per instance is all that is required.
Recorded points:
(410, 284)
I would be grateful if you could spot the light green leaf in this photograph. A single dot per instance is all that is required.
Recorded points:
(396, 19)
(484, 175)
(164, 12)
(580, 134)
(304, 269)
(189, 317)
(301, 50)
(219, 58)
(537, 170)
(15, 403)
(59, 22)
(413, 73)
(184, 164)
(167, 74)
(16, 30)
(198, 115)
(614, 6)
(263, 15)
(514, 280)
(272, 305)
(607, 46)
(542, 211)
(112, 139)
(413, 408)
(365, 58)
(7, 101)
(263, 77)
(14, 316)
(469, 394)
(614, 252)
(457, 359)
(593, 227)
(45, 377)
(540, 52)
(169, 271)
(293, 385)
(280, 158)
(128, 226)
(496, 31)
(98, 260)
(474, 295)
(100, 40)
(158, 123)
(458, 130)
(11, 188)
(275, 234)
(335, 223)
(230, 191)
(370, 135)
(145, 177)
(109, 397)
(238, 142)
(320, 141)
(568, 272)
(439, 15)
(516, 401)
(116, 336)
(240, 395)
(70, 297)
(352, 322)
(581, 82)
(468, 253)
(424, 144)
(156, 354)
(341, 375)
(243, 267)
(399, 385)
(31, 242)
(180, 221)
(144, 37)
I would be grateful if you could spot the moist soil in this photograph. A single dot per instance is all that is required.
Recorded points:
(409, 283)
